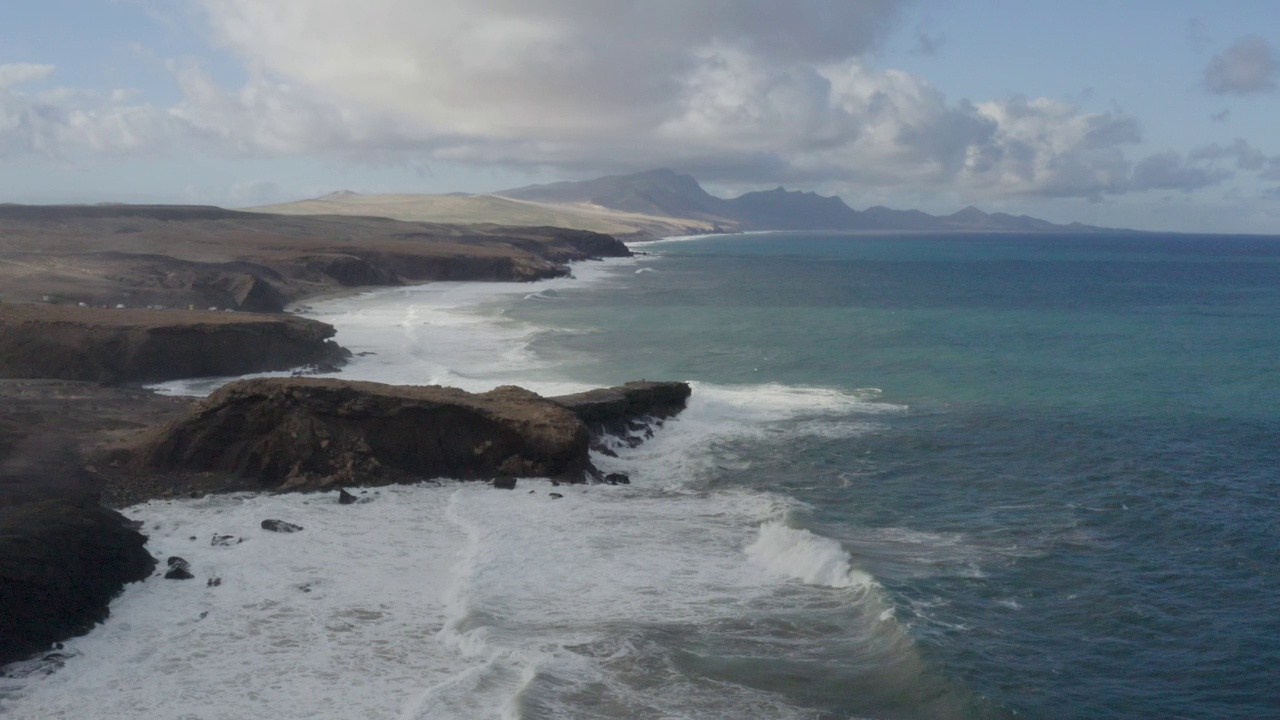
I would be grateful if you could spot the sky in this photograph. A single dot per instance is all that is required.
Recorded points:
(1142, 114)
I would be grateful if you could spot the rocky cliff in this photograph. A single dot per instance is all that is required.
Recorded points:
(107, 345)
(60, 565)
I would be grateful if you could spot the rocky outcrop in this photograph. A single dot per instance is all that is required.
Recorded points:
(307, 433)
(312, 434)
(617, 410)
(61, 563)
(106, 345)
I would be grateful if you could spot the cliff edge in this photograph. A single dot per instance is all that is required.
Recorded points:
(127, 345)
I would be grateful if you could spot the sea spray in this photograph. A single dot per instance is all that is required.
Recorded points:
(800, 554)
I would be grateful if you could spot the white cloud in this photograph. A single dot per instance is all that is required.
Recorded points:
(12, 74)
(62, 121)
(735, 91)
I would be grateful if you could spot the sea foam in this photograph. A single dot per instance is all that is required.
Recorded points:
(460, 601)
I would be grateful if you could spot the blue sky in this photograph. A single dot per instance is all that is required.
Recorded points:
(1137, 114)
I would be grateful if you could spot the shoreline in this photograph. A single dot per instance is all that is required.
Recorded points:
(64, 445)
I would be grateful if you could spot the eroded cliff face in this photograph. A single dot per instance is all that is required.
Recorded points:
(107, 345)
(310, 433)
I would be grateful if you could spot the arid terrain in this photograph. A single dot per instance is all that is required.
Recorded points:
(202, 257)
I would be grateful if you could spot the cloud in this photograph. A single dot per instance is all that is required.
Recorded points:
(1051, 149)
(1246, 156)
(732, 90)
(1169, 171)
(738, 92)
(63, 122)
(18, 73)
(1220, 116)
(1247, 67)
(501, 68)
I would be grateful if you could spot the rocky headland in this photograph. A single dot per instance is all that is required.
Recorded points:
(285, 434)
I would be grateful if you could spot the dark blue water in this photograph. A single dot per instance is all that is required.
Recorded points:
(1078, 516)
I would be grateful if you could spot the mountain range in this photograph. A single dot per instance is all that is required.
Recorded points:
(668, 194)
(660, 203)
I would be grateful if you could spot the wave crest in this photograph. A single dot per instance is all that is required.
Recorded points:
(807, 557)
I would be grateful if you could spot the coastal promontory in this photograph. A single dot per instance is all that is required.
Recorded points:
(313, 433)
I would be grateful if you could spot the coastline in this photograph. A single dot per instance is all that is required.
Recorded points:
(64, 442)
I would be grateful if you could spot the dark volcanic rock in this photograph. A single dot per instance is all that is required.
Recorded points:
(106, 345)
(613, 411)
(280, 526)
(60, 565)
(618, 479)
(179, 569)
(346, 498)
(309, 433)
(504, 483)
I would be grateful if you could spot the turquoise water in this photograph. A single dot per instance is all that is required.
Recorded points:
(1077, 514)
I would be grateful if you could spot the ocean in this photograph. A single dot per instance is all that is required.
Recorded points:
(919, 477)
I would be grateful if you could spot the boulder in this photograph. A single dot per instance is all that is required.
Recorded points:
(617, 478)
(61, 563)
(280, 526)
(346, 498)
(179, 569)
(504, 483)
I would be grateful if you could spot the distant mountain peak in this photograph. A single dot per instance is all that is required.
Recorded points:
(969, 212)
(661, 192)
